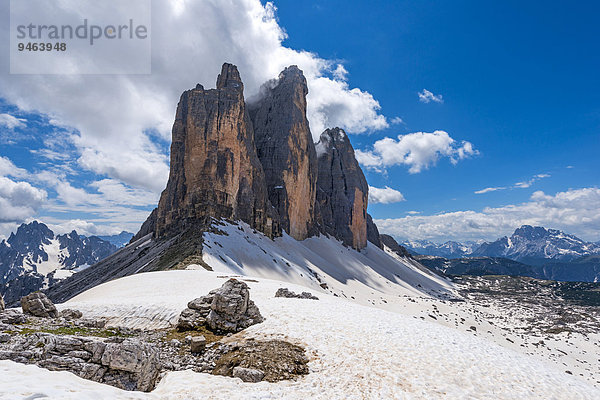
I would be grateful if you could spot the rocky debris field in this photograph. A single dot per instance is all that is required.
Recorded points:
(534, 306)
(136, 359)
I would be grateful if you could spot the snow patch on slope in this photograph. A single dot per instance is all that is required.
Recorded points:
(354, 351)
(320, 263)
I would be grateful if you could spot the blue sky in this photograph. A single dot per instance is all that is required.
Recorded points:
(517, 83)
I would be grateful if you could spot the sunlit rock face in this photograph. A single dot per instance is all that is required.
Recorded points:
(286, 150)
(215, 171)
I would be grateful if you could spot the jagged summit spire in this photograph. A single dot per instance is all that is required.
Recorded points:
(342, 190)
(229, 77)
(293, 74)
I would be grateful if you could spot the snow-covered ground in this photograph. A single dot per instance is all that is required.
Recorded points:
(362, 276)
(355, 351)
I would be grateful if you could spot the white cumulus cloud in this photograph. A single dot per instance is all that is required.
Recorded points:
(575, 211)
(11, 122)
(426, 96)
(419, 151)
(122, 122)
(19, 200)
(385, 195)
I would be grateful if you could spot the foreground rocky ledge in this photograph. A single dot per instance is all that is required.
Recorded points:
(136, 359)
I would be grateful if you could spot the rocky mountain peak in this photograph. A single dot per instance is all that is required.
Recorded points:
(531, 232)
(294, 76)
(215, 171)
(34, 233)
(258, 164)
(343, 192)
(286, 151)
(228, 78)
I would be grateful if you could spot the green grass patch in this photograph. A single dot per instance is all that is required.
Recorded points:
(75, 331)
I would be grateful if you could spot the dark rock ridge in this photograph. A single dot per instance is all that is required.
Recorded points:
(285, 147)
(373, 235)
(342, 190)
(391, 243)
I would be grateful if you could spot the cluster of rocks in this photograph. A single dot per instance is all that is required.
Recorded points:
(125, 363)
(227, 309)
(66, 342)
(135, 359)
(285, 292)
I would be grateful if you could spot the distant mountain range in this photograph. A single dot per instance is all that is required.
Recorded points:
(119, 240)
(34, 258)
(584, 269)
(448, 249)
(528, 244)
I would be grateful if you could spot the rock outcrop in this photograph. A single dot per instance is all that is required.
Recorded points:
(342, 190)
(391, 243)
(285, 147)
(70, 314)
(215, 172)
(285, 292)
(127, 364)
(38, 305)
(373, 233)
(227, 309)
(248, 374)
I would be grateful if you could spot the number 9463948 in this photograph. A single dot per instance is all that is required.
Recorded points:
(42, 46)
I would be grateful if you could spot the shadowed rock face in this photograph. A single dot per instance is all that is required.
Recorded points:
(215, 171)
(342, 190)
(373, 233)
(286, 150)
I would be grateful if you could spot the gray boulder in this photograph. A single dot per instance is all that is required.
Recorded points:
(70, 314)
(198, 343)
(2, 306)
(191, 319)
(231, 308)
(248, 374)
(134, 357)
(227, 309)
(285, 292)
(38, 305)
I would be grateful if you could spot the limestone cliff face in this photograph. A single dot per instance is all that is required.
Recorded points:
(286, 150)
(214, 171)
(342, 190)
(373, 232)
(259, 164)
